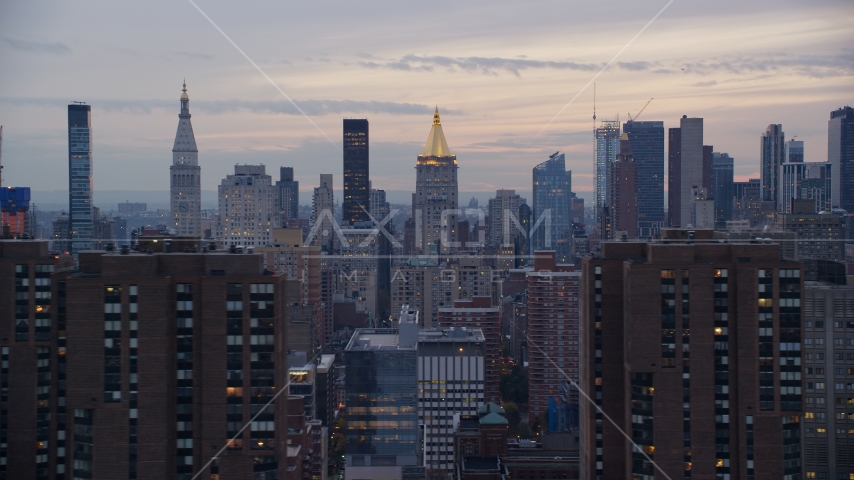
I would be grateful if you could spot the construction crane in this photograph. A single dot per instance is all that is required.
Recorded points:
(639, 113)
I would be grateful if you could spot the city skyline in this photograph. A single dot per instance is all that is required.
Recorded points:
(739, 85)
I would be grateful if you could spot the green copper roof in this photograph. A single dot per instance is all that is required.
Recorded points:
(420, 262)
(490, 407)
(493, 419)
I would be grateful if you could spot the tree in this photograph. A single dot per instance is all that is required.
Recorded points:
(511, 412)
(514, 385)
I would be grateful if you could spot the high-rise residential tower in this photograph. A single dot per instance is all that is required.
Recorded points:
(840, 154)
(623, 195)
(772, 150)
(693, 349)
(248, 207)
(647, 143)
(436, 194)
(288, 193)
(322, 214)
(551, 224)
(185, 183)
(722, 185)
(503, 209)
(686, 169)
(357, 189)
(607, 146)
(552, 331)
(80, 216)
(794, 151)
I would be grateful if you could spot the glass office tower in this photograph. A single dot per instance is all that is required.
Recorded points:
(551, 222)
(81, 225)
(357, 189)
(382, 432)
(647, 142)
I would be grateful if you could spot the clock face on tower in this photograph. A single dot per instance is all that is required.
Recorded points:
(183, 207)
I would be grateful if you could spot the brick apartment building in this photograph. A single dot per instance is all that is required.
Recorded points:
(141, 365)
(692, 348)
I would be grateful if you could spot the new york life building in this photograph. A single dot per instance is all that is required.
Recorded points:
(693, 349)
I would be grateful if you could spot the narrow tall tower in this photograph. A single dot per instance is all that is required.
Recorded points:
(357, 189)
(185, 183)
(436, 193)
(80, 215)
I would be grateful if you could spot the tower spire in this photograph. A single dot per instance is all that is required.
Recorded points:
(436, 120)
(185, 100)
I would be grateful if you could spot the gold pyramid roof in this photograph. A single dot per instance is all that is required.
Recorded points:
(436, 144)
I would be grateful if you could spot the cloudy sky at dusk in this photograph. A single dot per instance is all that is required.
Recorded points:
(498, 70)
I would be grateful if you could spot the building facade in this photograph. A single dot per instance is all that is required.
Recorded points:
(828, 426)
(478, 313)
(357, 189)
(647, 144)
(288, 193)
(185, 188)
(551, 224)
(607, 137)
(451, 369)
(436, 202)
(722, 186)
(126, 393)
(502, 210)
(323, 225)
(248, 207)
(623, 195)
(80, 220)
(771, 154)
(693, 348)
(552, 331)
(687, 164)
(381, 430)
(840, 154)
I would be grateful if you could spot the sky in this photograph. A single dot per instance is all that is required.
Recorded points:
(503, 74)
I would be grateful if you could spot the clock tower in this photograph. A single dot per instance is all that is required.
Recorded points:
(185, 182)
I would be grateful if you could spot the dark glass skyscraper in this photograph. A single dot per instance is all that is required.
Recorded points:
(288, 193)
(722, 186)
(551, 200)
(357, 189)
(772, 151)
(80, 219)
(840, 153)
(647, 146)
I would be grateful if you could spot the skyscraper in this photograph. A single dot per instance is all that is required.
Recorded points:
(551, 223)
(623, 194)
(722, 185)
(772, 149)
(288, 193)
(647, 144)
(552, 330)
(501, 212)
(794, 151)
(840, 154)
(248, 207)
(80, 219)
(674, 176)
(693, 348)
(436, 191)
(322, 214)
(185, 184)
(357, 189)
(607, 146)
(686, 169)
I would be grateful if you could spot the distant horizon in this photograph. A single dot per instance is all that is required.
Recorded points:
(513, 82)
